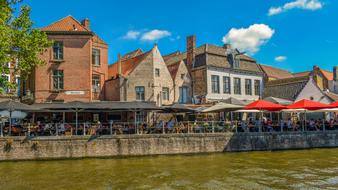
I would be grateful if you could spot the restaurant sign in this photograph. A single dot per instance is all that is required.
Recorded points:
(74, 92)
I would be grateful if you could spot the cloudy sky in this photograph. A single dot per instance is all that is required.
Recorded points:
(290, 34)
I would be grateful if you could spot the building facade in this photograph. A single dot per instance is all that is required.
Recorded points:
(219, 73)
(182, 82)
(76, 65)
(143, 77)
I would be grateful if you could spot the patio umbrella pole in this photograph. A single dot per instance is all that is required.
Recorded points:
(281, 126)
(1, 130)
(10, 123)
(111, 127)
(76, 120)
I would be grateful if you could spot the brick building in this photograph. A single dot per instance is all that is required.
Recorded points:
(76, 66)
(219, 73)
(140, 76)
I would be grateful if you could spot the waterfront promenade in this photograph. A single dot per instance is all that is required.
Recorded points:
(69, 147)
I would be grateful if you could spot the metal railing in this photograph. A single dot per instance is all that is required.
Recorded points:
(120, 128)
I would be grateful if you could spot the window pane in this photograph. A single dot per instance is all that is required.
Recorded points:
(58, 50)
(58, 79)
(96, 83)
(214, 84)
(257, 87)
(165, 93)
(226, 85)
(248, 88)
(157, 72)
(237, 85)
(96, 57)
(139, 90)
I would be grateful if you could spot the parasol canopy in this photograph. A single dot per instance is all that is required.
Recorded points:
(263, 105)
(221, 106)
(308, 105)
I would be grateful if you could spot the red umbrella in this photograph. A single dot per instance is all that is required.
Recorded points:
(308, 105)
(264, 105)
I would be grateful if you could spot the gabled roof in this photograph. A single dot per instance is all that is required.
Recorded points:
(275, 72)
(327, 74)
(173, 68)
(132, 54)
(217, 57)
(288, 88)
(302, 74)
(68, 23)
(127, 65)
(97, 39)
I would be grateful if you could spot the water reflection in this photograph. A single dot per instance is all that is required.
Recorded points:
(306, 169)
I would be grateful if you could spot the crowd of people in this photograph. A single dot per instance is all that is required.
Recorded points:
(170, 126)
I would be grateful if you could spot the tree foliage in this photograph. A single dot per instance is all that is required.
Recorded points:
(19, 42)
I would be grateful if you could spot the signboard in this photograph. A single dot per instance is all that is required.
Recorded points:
(75, 92)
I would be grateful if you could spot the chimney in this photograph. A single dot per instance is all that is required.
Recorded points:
(191, 46)
(335, 73)
(119, 65)
(86, 23)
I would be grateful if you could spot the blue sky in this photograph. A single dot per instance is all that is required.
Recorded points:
(296, 35)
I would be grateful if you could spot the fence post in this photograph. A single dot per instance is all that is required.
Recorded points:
(213, 127)
(163, 129)
(84, 129)
(56, 130)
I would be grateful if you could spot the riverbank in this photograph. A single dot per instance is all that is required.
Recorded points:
(68, 147)
(301, 169)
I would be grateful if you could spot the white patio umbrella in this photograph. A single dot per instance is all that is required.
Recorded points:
(221, 106)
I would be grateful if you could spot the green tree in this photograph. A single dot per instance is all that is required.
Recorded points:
(19, 41)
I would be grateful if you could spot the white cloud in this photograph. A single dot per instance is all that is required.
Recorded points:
(249, 39)
(154, 35)
(280, 58)
(132, 35)
(297, 4)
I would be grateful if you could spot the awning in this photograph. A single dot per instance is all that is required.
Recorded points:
(11, 105)
(177, 108)
(98, 106)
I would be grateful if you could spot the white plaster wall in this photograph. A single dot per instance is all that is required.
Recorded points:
(222, 96)
(312, 90)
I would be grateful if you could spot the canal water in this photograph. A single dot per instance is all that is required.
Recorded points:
(301, 169)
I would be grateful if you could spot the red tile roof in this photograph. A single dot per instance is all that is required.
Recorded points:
(173, 68)
(68, 23)
(327, 74)
(275, 72)
(127, 65)
(302, 74)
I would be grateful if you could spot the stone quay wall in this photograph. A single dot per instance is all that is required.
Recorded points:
(67, 147)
